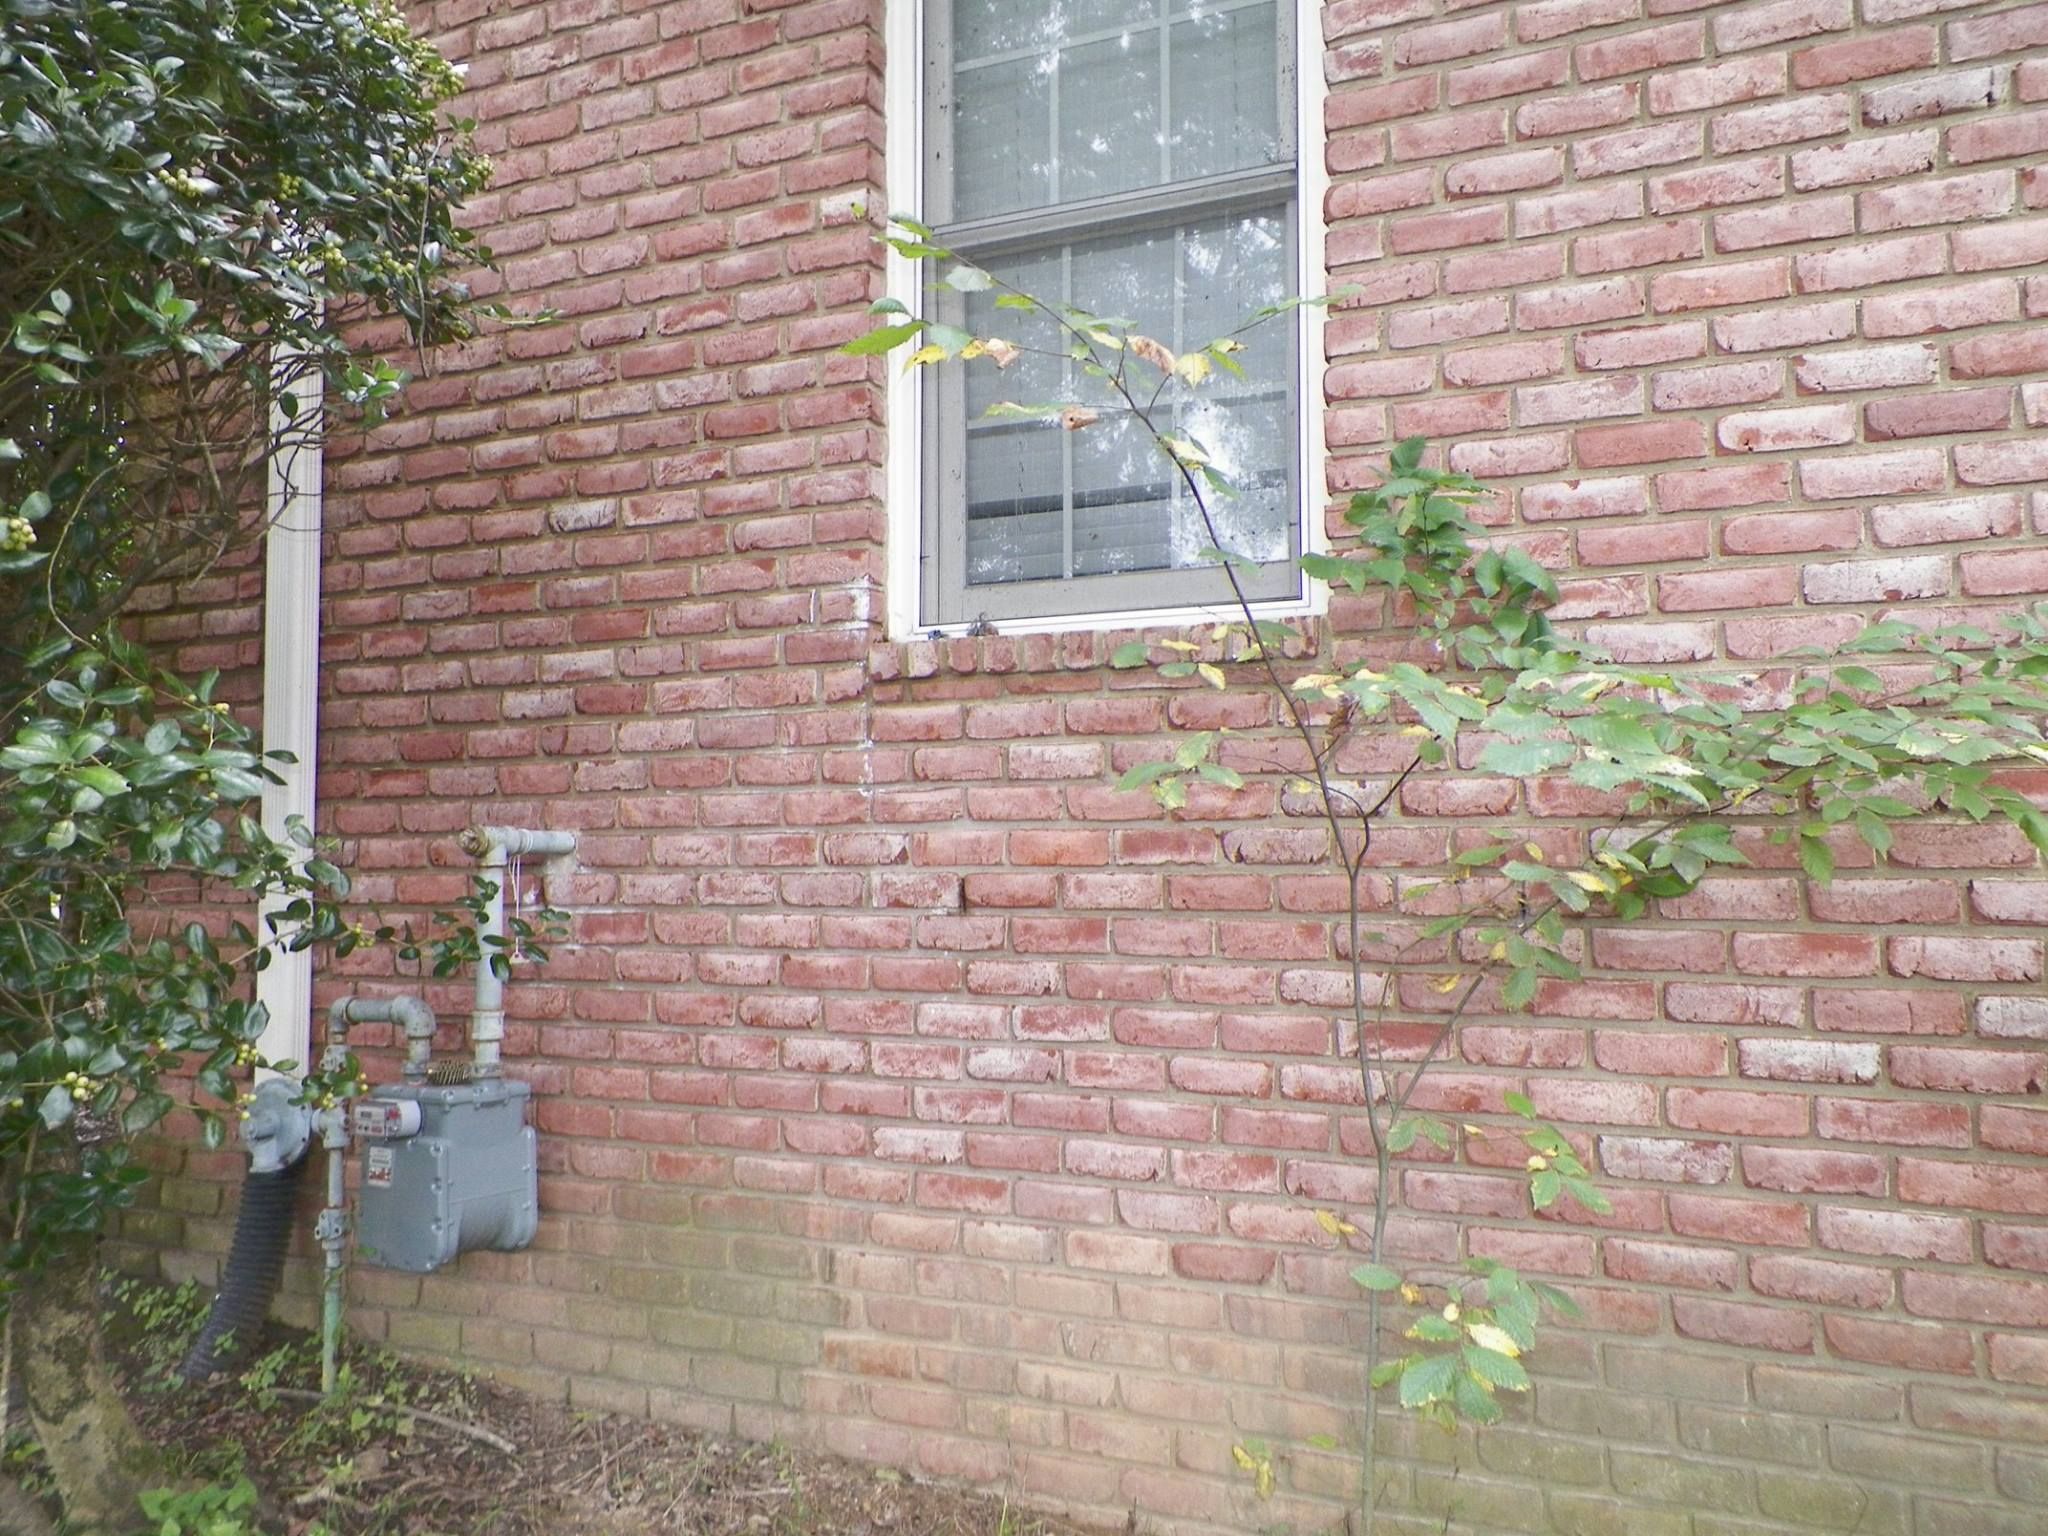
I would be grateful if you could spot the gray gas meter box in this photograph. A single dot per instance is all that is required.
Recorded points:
(444, 1170)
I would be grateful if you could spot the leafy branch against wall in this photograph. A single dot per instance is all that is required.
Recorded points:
(193, 200)
(200, 205)
(1464, 671)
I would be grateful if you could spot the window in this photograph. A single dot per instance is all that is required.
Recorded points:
(1137, 158)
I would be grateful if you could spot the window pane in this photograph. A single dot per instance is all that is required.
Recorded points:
(982, 27)
(1002, 138)
(1109, 116)
(1043, 503)
(1226, 93)
(1015, 511)
(1059, 101)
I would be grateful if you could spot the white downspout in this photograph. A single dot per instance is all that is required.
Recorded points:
(291, 675)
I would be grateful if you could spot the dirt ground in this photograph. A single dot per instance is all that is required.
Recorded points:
(404, 1451)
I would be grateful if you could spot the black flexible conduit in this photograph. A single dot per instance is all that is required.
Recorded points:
(255, 1265)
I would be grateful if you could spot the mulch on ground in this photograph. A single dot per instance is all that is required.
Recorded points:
(403, 1450)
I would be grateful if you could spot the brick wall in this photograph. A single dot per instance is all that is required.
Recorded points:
(909, 1089)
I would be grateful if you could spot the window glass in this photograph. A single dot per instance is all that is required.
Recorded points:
(1094, 153)
(1057, 101)
(1043, 502)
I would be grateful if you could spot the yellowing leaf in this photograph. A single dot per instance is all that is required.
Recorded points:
(1586, 881)
(1444, 984)
(1211, 674)
(924, 355)
(1153, 352)
(1243, 1458)
(1329, 1223)
(1486, 1336)
(1412, 1294)
(1535, 853)
(1193, 368)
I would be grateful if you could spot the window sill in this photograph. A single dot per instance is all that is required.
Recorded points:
(1074, 644)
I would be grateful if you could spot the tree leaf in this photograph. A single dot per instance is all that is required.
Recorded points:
(1494, 1365)
(882, 339)
(57, 1106)
(1427, 1379)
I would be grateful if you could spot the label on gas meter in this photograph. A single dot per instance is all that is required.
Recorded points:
(379, 1119)
(377, 1164)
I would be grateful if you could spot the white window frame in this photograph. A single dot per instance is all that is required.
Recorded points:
(903, 39)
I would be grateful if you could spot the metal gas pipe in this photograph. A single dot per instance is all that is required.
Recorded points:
(494, 847)
(331, 1229)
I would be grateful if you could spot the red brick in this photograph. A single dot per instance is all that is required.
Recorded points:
(1982, 1187)
(1734, 1219)
(1913, 100)
(1864, 581)
(1959, 307)
(1666, 1160)
(1576, 113)
(1985, 195)
(1782, 122)
(1755, 1327)
(1644, 246)
(1718, 85)
(2004, 32)
(1797, 1171)
(1648, 443)
(1778, 21)
(1897, 1234)
(1909, 1345)
(1803, 427)
(1730, 1113)
(1999, 139)
(1513, 76)
(1779, 533)
(1734, 181)
(1731, 283)
(1899, 473)
(1647, 1263)
(2014, 571)
(1977, 1299)
(1864, 58)
(2005, 244)
(1745, 485)
(1863, 160)
(1808, 326)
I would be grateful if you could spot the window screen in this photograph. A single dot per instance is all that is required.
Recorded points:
(1135, 158)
